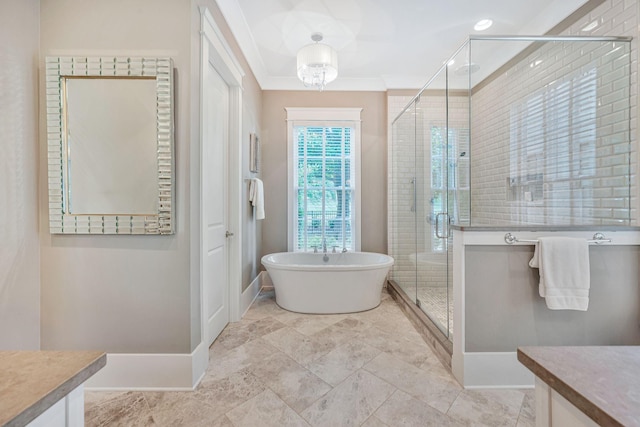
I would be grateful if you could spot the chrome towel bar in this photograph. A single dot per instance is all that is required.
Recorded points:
(510, 239)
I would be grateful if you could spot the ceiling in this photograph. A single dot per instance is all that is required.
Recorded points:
(381, 44)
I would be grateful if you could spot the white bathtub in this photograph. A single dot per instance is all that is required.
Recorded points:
(345, 283)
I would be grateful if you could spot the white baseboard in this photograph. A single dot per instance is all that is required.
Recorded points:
(251, 293)
(266, 280)
(151, 371)
(495, 370)
(162, 371)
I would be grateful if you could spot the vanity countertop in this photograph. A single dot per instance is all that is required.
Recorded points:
(603, 382)
(32, 381)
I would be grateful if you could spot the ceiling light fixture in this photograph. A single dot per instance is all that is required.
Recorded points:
(483, 24)
(317, 63)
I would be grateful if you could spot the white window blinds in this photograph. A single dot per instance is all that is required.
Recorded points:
(323, 187)
(323, 180)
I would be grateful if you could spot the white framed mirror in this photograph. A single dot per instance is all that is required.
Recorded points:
(110, 145)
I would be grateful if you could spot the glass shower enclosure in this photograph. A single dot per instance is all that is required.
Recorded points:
(511, 131)
(429, 182)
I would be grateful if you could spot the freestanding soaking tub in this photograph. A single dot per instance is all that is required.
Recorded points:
(327, 283)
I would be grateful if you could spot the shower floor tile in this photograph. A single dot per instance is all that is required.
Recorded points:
(277, 368)
(434, 302)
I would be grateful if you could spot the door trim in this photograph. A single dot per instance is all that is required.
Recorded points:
(215, 50)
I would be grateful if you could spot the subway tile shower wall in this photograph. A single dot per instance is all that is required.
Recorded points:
(526, 167)
(411, 234)
(620, 18)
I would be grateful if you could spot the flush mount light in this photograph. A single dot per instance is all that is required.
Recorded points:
(483, 24)
(317, 63)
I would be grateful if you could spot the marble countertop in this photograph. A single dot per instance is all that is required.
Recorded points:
(32, 381)
(603, 382)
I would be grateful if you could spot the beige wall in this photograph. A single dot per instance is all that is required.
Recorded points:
(135, 294)
(373, 161)
(19, 252)
(121, 294)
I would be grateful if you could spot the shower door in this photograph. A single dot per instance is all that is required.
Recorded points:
(429, 190)
(432, 166)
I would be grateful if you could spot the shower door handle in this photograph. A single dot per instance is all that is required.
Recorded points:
(438, 235)
(413, 205)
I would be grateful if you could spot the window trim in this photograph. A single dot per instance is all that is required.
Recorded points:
(297, 116)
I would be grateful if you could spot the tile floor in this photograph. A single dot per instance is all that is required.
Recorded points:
(437, 305)
(277, 368)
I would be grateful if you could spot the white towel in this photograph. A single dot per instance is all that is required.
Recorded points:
(256, 197)
(564, 272)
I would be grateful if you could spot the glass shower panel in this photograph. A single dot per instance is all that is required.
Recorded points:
(553, 121)
(460, 71)
(432, 170)
(550, 121)
(403, 201)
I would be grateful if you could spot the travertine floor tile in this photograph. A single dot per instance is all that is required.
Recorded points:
(265, 410)
(435, 391)
(342, 361)
(373, 421)
(294, 384)
(229, 392)
(527, 417)
(403, 410)
(299, 347)
(278, 368)
(350, 403)
(310, 324)
(413, 352)
(263, 306)
(245, 331)
(117, 409)
(340, 333)
(224, 363)
(182, 409)
(490, 408)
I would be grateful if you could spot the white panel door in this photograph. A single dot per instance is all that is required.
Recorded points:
(214, 204)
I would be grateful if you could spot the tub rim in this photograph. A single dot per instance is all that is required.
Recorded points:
(389, 261)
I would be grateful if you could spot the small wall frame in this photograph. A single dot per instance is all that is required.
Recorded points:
(254, 153)
(110, 145)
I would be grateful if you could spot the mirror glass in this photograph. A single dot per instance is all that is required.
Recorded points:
(110, 134)
(111, 169)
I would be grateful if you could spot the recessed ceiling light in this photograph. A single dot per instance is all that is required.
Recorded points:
(483, 24)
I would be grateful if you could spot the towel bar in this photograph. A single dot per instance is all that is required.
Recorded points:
(510, 239)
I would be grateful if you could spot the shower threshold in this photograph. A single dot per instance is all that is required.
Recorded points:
(433, 336)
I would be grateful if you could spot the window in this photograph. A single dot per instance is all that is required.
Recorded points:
(324, 178)
(450, 156)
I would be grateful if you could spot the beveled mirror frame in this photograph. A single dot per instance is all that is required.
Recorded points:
(60, 220)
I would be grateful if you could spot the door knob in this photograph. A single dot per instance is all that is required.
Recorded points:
(228, 234)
